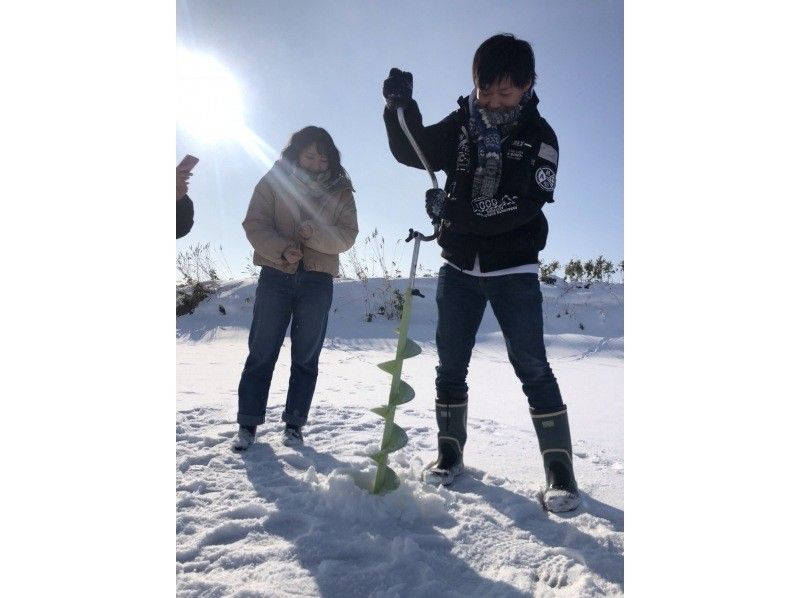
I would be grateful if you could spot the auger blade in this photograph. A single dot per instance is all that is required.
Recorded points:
(404, 394)
(411, 349)
(397, 440)
(383, 410)
(390, 367)
(389, 482)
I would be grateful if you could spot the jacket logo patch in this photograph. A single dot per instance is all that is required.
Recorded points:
(549, 153)
(545, 178)
(486, 207)
(514, 154)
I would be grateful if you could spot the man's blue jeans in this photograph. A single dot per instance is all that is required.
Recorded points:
(517, 303)
(305, 299)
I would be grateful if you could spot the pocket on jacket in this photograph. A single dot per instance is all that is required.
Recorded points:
(516, 179)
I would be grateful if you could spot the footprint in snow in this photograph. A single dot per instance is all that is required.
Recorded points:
(296, 460)
(554, 571)
(195, 460)
(249, 511)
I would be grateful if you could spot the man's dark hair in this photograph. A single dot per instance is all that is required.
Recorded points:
(501, 56)
(308, 136)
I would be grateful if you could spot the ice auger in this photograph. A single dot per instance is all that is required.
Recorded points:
(394, 437)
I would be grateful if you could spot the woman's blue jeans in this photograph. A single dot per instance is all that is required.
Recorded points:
(304, 298)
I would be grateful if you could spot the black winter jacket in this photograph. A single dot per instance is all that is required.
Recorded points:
(505, 231)
(184, 216)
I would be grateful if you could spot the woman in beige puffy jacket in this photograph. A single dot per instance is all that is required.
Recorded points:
(301, 217)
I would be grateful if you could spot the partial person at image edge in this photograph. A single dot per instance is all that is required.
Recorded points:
(184, 208)
(184, 216)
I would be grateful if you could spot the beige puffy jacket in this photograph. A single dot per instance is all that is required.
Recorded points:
(280, 204)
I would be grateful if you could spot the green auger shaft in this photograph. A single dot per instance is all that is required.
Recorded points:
(394, 393)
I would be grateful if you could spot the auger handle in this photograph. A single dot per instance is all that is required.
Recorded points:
(415, 234)
(402, 119)
(412, 234)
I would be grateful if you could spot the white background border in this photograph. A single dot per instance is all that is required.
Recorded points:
(710, 230)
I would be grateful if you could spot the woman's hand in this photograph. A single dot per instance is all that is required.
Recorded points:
(305, 231)
(292, 254)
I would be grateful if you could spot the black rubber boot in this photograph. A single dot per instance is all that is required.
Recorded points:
(451, 417)
(552, 430)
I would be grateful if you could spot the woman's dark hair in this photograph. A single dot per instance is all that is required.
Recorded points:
(318, 136)
(501, 56)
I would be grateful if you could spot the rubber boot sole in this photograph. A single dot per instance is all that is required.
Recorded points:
(561, 501)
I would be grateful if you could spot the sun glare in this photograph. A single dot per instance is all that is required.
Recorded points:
(210, 104)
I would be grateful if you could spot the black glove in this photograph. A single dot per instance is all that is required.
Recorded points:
(434, 204)
(397, 88)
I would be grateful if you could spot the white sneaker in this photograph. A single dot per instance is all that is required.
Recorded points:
(244, 440)
(561, 501)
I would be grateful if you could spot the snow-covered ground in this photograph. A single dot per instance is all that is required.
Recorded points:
(278, 521)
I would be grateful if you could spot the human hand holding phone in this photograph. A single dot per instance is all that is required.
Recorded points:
(182, 174)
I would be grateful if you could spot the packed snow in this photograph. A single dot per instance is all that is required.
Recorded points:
(280, 521)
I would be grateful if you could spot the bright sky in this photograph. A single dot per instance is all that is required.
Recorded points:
(324, 62)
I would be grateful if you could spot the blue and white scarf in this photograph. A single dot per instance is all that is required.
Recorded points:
(485, 129)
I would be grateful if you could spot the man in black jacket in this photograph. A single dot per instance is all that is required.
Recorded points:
(501, 158)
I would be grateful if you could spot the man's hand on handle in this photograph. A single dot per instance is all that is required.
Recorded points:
(434, 204)
(397, 89)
